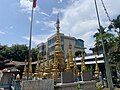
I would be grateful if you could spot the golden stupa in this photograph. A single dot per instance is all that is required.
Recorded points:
(25, 70)
(71, 57)
(96, 73)
(55, 70)
(68, 64)
(30, 67)
(58, 48)
(47, 68)
(75, 69)
(37, 70)
(83, 67)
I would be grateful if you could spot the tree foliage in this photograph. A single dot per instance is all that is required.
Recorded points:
(78, 53)
(18, 52)
(111, 42)
(108, 39)
(115, 53)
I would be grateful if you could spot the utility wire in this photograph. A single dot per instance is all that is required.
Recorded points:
(106, 11)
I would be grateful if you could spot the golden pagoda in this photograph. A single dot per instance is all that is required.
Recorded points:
(75, 70)
(58, 48)
(25, 70)
(30, 67)
(42, 69)
(37, 70)
(68, 64)
(47, 68)
(55, 70)
(71, 57)
(96, 73)
(83, 67)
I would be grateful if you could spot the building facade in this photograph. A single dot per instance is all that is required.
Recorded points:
(77, 45)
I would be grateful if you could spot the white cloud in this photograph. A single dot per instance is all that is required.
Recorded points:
(56, 10)
(1, 32)
(50, 24)
(60, 1)
(26, 5)
(79, 19)
(29, 18)
(9, 27)
(37, 22)
(36, 39)
(43, 13)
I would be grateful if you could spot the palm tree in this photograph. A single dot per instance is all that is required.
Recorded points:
(108, 39)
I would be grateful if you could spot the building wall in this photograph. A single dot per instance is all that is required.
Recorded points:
(77, 44)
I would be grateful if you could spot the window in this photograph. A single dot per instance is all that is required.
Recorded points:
(79, 43)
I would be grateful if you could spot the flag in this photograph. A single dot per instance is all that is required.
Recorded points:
(34, 3)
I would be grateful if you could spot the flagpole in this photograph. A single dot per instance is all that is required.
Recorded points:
(29, 54)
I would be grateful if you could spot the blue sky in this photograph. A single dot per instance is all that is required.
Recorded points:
(77, 17)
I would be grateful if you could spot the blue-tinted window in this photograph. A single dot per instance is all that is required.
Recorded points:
(53, 40)
(62, 47)
(79, 43)
(52, 48)
(61, 39)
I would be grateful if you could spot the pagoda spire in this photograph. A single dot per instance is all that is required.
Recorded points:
(75, 70)
(68, 63)
(37, 70)
(30, 68)
(58, 49)
(96, 73)
(25, 70)
(47, 68)
(71, 56)
(55, 70)
(83, 67)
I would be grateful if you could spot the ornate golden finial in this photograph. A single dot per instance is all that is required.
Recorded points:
(71, 57)
(18, 77)
(30, 67)
(55, 70)
(58, 48)
(25, 70)
(68, 63)
(75, 70)
(96, 68)
(83, 67)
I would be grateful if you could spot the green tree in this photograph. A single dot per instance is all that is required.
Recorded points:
(34, 53)
(18, 52)
(115, 54)
(108, 39)
(5, 52)
(78, 53)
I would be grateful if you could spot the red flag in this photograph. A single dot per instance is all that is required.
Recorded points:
(34, 3)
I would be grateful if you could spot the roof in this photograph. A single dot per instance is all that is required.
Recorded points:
(91, 62)
(90, 57)
(16, 63)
